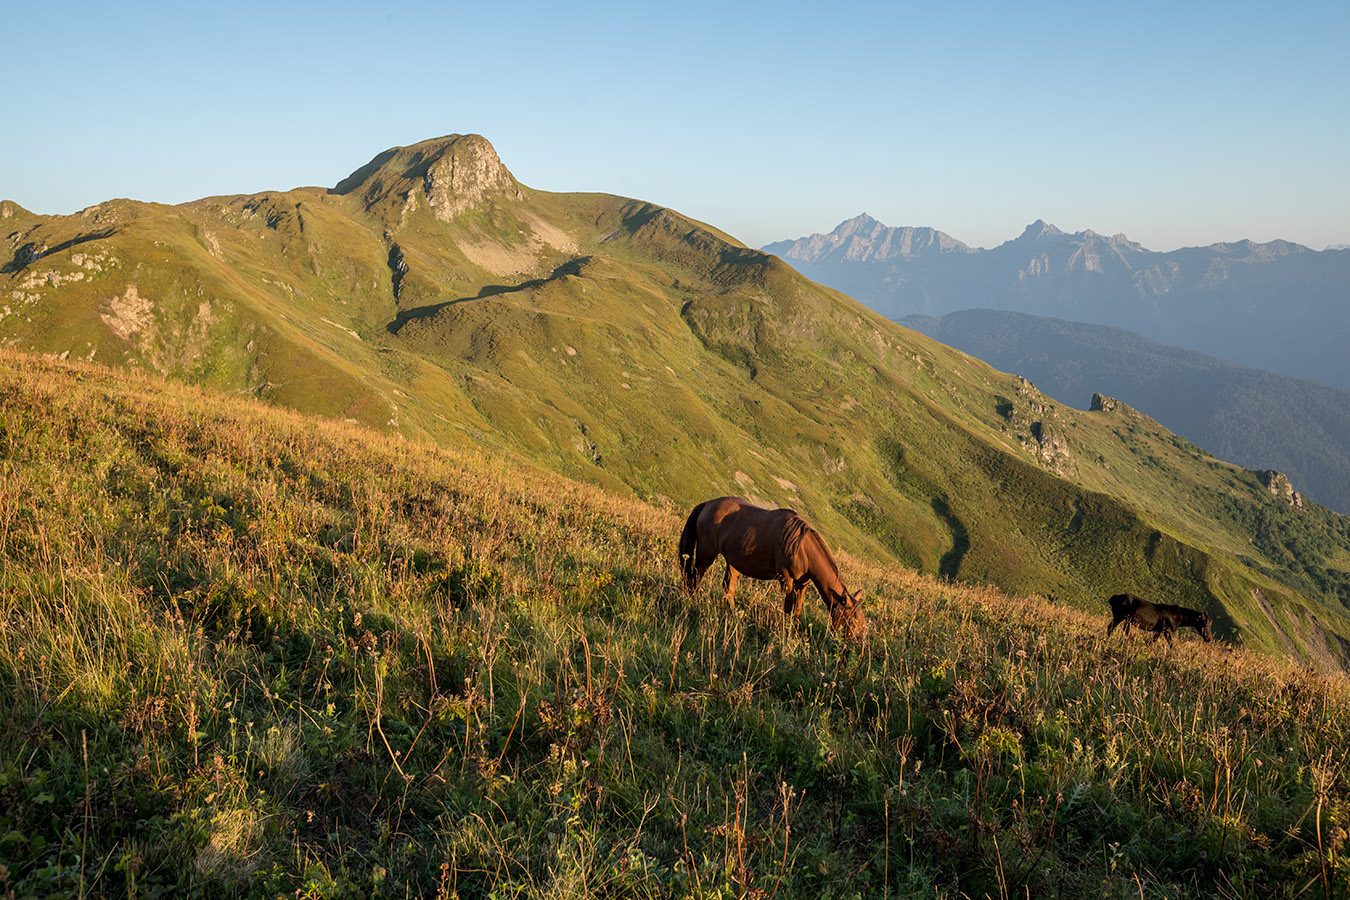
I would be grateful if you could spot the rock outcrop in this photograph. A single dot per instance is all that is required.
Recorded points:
(1103, 403)
(463, 174)
(1032, 418)
(1278, 484)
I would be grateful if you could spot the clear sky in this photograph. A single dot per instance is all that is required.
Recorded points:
(1177, 124)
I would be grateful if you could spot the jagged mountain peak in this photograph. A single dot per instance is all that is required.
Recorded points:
(451, 174)
(860, 222)
(863, 238)
(1038, 230)
(1043, 233)
(1247, 248)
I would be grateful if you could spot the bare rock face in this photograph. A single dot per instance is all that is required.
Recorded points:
(1278, 484)
(1038, 427)
(465, 173)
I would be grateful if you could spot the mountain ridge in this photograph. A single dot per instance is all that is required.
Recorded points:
(1273, 305)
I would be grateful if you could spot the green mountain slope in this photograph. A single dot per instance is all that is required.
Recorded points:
(1259, 419)
(431, 295)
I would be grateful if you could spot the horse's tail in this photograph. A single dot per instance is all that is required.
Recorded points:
(688, 540)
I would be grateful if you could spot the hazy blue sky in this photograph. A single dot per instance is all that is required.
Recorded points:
(1177, 124)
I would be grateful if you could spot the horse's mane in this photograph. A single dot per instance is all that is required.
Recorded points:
(795, 530)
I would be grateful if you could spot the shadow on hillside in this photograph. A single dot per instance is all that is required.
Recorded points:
(1225, 627)
(357, 178)
(571, 267)
(29, 253)
(951, 560)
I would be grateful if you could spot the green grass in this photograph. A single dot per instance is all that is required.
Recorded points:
(248, 653)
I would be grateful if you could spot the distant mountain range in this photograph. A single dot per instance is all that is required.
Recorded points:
(1277, 306)
(1251, 417)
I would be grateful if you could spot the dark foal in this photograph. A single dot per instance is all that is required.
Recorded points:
(1160, 618)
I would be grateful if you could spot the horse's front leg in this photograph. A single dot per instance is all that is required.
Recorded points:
(729, 584)
(792, 599)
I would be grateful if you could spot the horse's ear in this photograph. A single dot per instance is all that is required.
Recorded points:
(857, 597)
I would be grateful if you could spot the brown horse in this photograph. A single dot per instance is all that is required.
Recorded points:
(768, 544)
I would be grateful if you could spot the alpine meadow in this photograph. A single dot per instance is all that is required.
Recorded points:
(338, 558)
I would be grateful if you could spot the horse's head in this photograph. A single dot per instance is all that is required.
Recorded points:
(847, 619)
(1205, 622)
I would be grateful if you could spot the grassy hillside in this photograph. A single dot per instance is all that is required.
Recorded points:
(430, 295)
(249, 653)
(1257, 419)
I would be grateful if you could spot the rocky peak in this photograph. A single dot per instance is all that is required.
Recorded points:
(451, 175)
(1039, 230)
(864, 239)
(859, 223)
(464, 173)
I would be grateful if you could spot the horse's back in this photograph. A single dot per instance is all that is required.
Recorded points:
(751, 537)
(1124, 602)
(716, 510)
(733, 514)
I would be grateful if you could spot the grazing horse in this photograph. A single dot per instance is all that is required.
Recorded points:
(768, 544)
(1160, 618)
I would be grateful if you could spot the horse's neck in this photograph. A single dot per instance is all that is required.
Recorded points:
(823, 570)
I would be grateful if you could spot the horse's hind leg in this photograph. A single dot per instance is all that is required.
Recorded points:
(729, 584)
